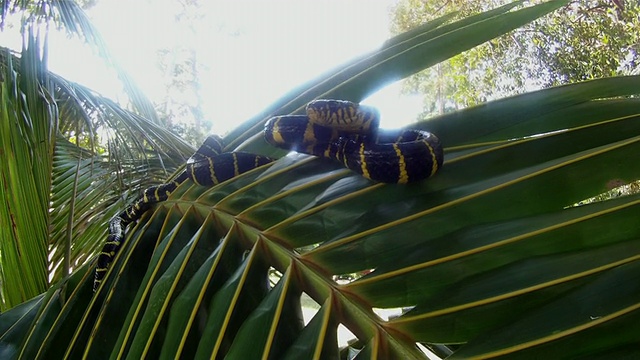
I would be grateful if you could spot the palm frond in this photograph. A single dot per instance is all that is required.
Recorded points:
(489, 248)
(38, 107)
(28, 118)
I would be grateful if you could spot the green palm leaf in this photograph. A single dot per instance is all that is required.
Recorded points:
(491, 257)
(48, 186)
(25, 139)
(38, 224)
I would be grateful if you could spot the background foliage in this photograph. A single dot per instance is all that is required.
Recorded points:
(581, 41)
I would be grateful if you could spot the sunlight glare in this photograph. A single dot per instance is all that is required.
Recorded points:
(249, 53)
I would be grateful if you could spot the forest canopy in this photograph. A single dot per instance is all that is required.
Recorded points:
(581, 41)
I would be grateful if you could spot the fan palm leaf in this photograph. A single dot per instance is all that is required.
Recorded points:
(492, 252)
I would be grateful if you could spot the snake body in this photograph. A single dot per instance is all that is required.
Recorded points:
(348, 132)
(335, 129)
(206, 167)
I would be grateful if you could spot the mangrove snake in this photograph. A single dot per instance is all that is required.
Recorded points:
(348, 132)
(335, 129)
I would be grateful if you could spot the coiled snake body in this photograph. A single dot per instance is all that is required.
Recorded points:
(348, 133)
(335, 129)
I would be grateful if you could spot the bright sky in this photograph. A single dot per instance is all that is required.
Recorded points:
(252, 51)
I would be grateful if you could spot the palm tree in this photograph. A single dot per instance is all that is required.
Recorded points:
(493, 257)
(56, 177)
